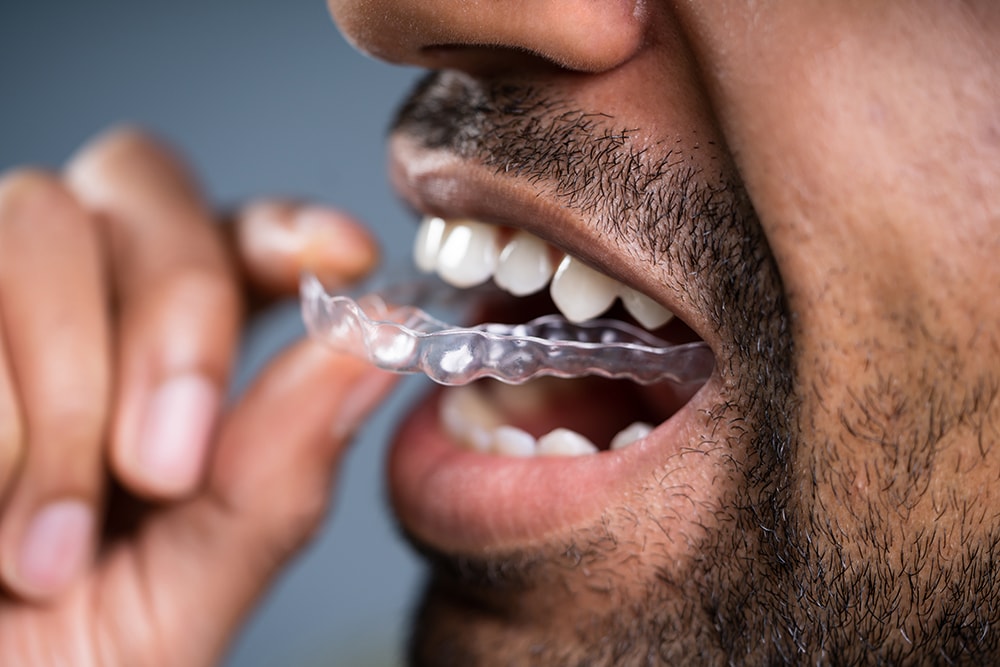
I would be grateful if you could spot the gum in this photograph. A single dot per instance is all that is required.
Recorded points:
(390, 328)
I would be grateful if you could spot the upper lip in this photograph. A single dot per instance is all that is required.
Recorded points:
(437, 182)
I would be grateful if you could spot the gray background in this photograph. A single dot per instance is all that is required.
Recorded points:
(263, 97)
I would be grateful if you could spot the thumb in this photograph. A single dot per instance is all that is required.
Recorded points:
(267, 491)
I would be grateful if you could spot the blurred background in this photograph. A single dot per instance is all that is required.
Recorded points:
(263, 97)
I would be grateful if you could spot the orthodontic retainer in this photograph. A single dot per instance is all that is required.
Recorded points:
(405, 339)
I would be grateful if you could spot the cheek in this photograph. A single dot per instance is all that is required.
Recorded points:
(864, 140)
(866, 150)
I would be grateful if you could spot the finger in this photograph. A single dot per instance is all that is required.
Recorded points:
(178, 307)
(11, 420)
(269, 487)
(276, 240)
(52, 296)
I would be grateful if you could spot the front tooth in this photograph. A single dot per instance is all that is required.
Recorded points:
(468, 254)
(580, 292)
(629, 434)
(427, 245)
(511, 441)
(564, 442)
(646, 311)
(468, 417)
(524, 266)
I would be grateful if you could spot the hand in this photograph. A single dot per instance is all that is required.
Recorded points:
(141, 517)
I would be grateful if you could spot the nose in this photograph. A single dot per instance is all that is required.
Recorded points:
(584, 35)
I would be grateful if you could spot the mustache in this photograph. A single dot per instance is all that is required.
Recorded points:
(528, 131)
(648, 196)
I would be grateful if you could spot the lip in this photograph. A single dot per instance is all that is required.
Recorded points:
(465, 502)
(436, 182)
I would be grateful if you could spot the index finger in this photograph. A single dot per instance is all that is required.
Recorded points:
(178, 309)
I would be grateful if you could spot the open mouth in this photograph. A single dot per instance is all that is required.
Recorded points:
(487, 467)
(653, 350)
(543, 417)
(532, 416)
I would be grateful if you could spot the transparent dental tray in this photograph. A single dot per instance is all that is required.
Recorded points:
(391, 328)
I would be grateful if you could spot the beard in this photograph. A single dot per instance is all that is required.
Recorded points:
(777, 576)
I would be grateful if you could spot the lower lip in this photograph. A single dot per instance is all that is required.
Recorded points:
(462, 501)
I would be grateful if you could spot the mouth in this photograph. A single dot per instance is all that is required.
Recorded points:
(545, 417)
(489, 467)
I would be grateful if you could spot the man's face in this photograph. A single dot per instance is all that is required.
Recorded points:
(813, 188)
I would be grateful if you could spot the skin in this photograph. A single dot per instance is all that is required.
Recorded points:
(115, 280)
(833, 502)
(849, 516)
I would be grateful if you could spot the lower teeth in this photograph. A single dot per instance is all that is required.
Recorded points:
(632, 433)
(564, 442)
(473, 422)
(512, 441)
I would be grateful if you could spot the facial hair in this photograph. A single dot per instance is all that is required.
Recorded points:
(767, 583)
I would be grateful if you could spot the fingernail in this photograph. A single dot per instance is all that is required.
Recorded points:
(332, 242)
(364, 395)
(55, 548)
(176, 431)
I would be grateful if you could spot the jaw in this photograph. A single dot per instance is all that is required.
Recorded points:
(529, 556)
(608, 558)
(646, 542)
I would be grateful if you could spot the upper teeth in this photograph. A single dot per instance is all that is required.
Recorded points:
(467, 253)
(524, 265)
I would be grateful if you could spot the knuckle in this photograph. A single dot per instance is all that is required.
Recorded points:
(115, 150)
(119, 140)
(30, 192)
(34, 201)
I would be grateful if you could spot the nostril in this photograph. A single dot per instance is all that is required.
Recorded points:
(485, 61)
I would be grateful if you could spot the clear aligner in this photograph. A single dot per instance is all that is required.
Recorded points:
(380, 328)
